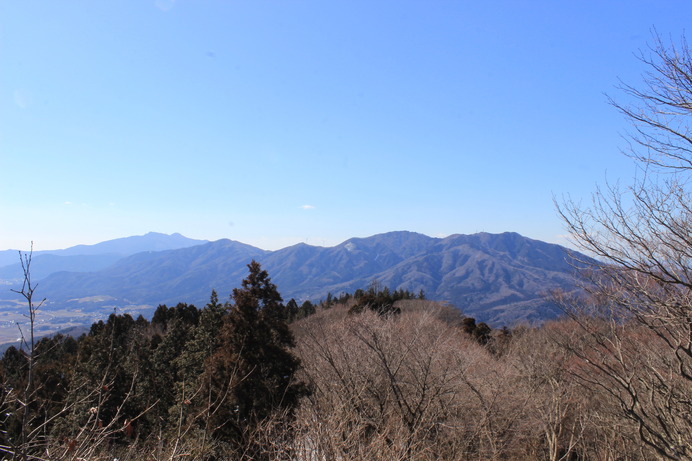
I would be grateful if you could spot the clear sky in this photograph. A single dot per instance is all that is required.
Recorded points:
(278, 122)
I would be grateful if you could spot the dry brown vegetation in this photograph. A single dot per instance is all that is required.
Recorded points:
(414, 386)
(409, 384)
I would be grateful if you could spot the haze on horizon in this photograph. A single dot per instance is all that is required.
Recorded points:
(274, 123)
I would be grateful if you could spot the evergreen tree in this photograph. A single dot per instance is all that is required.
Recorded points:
(111, 375)
(203, 343)
(204, 340)
(377, 300)
(253, 368)
(165, 367)
(292, 310)
(480, 332)
(306, 309)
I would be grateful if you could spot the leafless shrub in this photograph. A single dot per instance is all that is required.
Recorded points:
(404, 387)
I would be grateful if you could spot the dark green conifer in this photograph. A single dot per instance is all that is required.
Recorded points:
(253, 367)
(292, 310)
(306, 309)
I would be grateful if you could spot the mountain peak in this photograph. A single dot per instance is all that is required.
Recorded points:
(497, 278)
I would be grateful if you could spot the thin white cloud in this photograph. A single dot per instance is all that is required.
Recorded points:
(307, 207)
(67, 203)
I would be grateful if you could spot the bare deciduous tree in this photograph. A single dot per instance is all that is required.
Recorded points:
(408, 386)
(640, 341)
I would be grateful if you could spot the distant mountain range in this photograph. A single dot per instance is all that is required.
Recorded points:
(498, 278)
(89, 258)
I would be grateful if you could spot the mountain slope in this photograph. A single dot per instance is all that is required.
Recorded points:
(159, 277)
(498, 278)
(309, 272)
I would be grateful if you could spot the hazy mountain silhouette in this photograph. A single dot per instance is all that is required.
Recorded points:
(89, 258)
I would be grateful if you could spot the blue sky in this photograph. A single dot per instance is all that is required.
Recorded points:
(278, 122)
